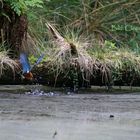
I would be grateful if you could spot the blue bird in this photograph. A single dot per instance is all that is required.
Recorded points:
(25, 63)
(26, 68)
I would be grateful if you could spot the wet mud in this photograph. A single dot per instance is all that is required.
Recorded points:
(69, 117)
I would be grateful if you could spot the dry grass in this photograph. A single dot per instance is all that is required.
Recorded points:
(116, 62)
(70, 52)
(89, 59)
(29, 45)
(7, 63)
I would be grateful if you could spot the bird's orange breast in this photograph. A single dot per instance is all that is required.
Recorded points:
(28, 76)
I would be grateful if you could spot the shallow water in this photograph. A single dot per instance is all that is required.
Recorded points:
(69, 117)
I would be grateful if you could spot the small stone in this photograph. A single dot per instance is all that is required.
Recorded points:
(111, 116)
(55, 133)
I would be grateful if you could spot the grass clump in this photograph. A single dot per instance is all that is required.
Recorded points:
(116, 64)
(91, 60)
(6, 62)
(71, 52)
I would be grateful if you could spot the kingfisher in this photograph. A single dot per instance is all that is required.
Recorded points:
(26, 68)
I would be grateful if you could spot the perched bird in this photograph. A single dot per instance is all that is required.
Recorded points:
(26, 68)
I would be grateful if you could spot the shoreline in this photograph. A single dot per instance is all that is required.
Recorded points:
(94, 89)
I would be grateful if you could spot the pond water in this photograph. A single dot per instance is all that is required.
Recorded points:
(69, 117)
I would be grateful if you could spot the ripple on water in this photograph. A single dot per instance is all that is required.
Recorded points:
(37, 92)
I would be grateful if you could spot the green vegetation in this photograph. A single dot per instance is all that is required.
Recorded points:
(21, 7)
(84, 39)
(97, 19)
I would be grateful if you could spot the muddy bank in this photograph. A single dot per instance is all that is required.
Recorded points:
(46, 75)
(16, 89)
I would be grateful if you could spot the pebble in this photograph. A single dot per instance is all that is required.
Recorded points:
(111, 116)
